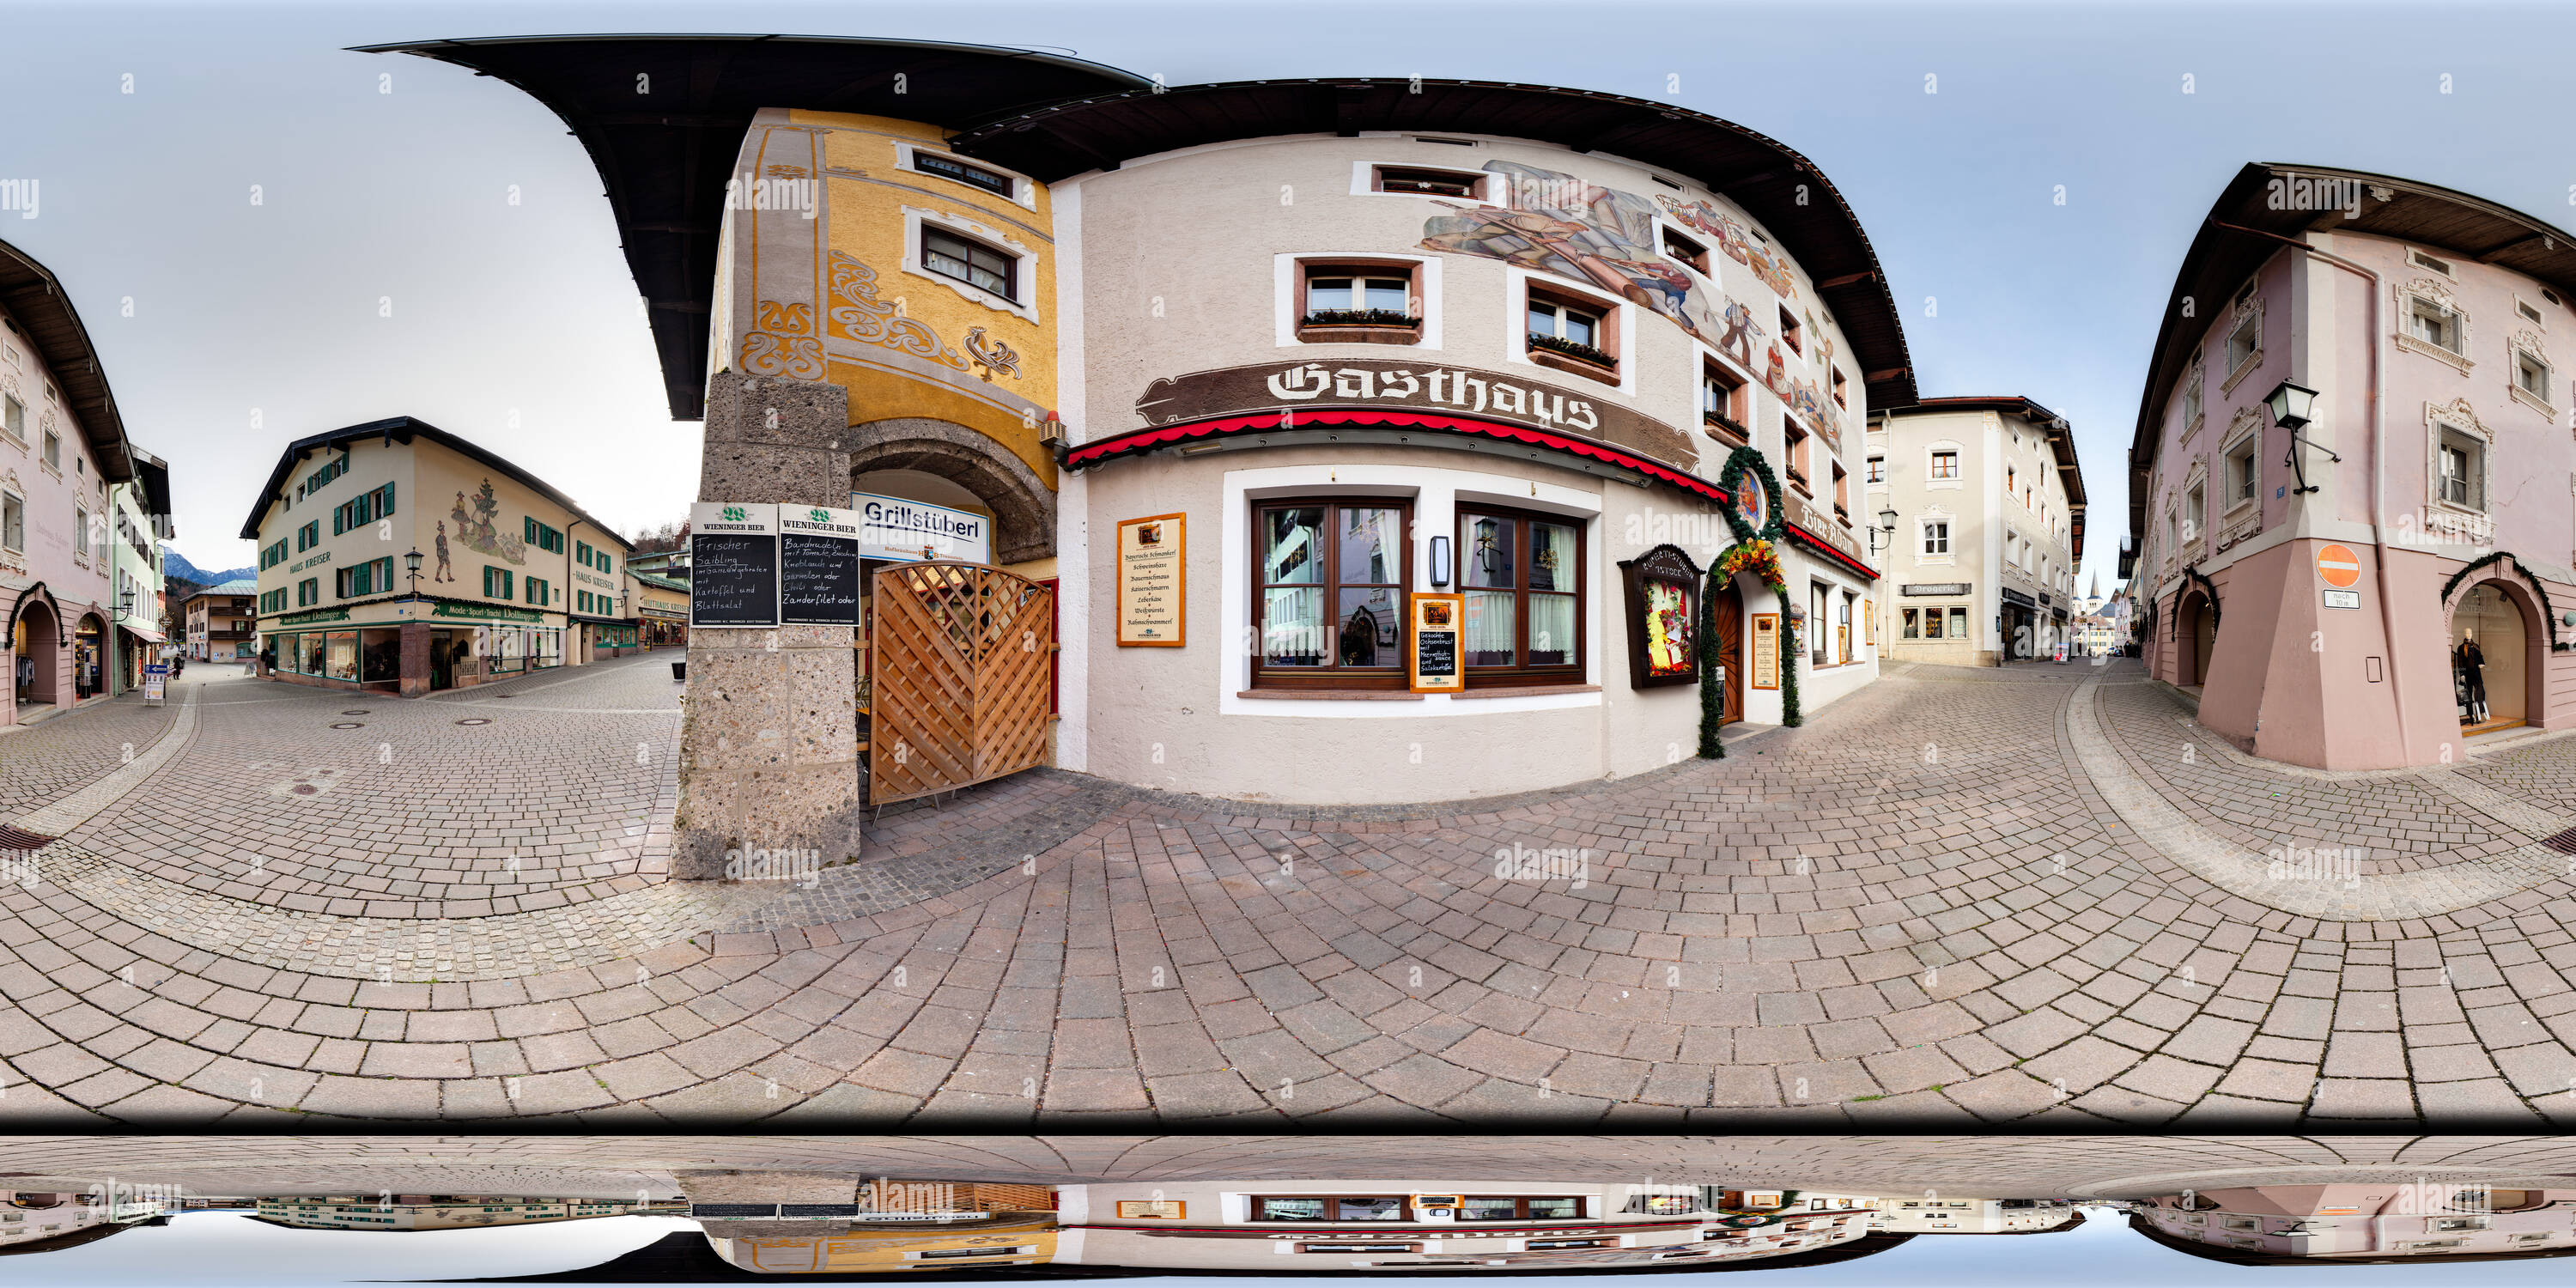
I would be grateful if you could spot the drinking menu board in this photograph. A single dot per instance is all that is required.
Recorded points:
(1437, 622)
(1766, 650)
(733, 558)
(818, 566)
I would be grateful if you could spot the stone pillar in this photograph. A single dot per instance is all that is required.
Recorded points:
(769, 726)
(415, 659)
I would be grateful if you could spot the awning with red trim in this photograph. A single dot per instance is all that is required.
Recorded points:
(1158, 436)
(1823, 547)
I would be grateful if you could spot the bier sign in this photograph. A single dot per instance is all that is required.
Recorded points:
(818, 566)
(733, 558)
(1438, 621)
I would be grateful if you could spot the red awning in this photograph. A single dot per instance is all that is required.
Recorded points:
(1158, 436)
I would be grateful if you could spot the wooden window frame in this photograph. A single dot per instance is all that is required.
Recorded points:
(1692, 254)
(1842, 387)
(1334, 676)
(1012, 277)
(1794, 442)
(1605, 330)
(1726, 424)
(1953, 456)
(1358, 332)
(1522, 674)
(1842, 492)
(1478, 183)
(1520, 1208)
(1332, 1209)
(1793, 332)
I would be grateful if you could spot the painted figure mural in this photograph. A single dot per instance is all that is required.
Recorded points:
(478, 532)
(1562, 225)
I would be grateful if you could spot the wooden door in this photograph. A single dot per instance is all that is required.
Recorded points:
(962, 657)
(1727, 630)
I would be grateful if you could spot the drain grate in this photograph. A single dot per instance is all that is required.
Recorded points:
(477, 720)
(13, 839)
(350, 724)
(2564, 842)
(359, 712)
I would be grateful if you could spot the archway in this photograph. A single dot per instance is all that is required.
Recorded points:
(35, 663)
(2195, 635)
(1023, 505)
(2494, 631)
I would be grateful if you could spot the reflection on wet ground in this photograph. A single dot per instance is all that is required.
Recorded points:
(1003, 1207)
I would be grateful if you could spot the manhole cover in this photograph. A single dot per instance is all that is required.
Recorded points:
(2564, 842)
(350, 724)
(359, 712)
(474, 721)
(13, 839)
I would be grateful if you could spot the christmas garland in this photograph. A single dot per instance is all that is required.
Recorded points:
(2548, 614)
(1752, 552)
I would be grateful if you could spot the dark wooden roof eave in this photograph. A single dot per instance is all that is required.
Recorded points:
(43, 310)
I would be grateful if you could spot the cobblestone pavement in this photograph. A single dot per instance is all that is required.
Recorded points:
(1988, 1166)
(1917, 910)
(46, 761)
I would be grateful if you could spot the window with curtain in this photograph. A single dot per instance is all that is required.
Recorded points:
(1522, 576)
(1328, 602)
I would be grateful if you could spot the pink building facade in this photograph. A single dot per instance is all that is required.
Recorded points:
(62, 447)
(2395, 577)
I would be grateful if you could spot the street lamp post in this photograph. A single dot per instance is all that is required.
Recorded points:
(411, 564)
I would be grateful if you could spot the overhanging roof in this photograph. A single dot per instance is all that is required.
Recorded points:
(665, 156)
(2220, 259)
(44, 310)
(1761, 174)
(403, 429)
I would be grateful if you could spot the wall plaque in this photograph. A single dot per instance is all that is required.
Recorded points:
(1937, 588)
(1766, 651)
(733, 556)
(1663, 615)
(1483, 395)
(1438, 621)
(1153, 581)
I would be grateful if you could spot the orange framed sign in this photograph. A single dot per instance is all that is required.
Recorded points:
(1153, 581)
(1766, 651)
(1435, 658)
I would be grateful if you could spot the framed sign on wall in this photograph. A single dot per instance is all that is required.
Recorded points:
(1662, 587)
(1869, 622)
(1153, 586)
(1766, 650)
(1438, 623)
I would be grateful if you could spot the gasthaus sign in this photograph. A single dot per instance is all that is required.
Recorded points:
(893, 528)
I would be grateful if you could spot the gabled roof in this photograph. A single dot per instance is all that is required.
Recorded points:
(1783, 190)
(38, 303)
(235, 587)
(403, 429)
(2220, 259)
(2061, 441)
(665, 155)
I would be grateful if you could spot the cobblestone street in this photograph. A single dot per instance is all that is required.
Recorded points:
(2040, 896)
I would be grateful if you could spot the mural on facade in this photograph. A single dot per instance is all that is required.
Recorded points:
(1565, 226)
(475, 528)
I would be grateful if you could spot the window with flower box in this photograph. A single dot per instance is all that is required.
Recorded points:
(1571, 333)
(1359, 302)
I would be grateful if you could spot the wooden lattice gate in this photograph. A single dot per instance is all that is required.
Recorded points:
(963, 660)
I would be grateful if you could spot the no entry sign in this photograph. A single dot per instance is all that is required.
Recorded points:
(2338, 566)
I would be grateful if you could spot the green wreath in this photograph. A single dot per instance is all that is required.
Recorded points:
(1712, 695)
(2548, 614)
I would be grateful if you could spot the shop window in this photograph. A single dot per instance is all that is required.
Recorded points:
(1358, 303)
(1571, 333)
(1330, 1208)
(1914, 624)
(1688, 250)
(1328, 593)
(931, 163)
(1523, 580)
(1945, 465)
(1959, 623)
(1794, 451)
(1792, 333)
(972, 262)
(1426, 181)
(1504, 1207)
(1722, 396)
(1843, 630)
(1818, 652)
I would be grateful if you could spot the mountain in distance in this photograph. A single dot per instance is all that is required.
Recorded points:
(174, 564)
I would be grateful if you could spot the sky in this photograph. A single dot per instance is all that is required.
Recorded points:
(229, 1250)
(2030, 176)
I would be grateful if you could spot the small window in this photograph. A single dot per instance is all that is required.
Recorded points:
(973, 263)
(2421, 260)
(1794, 446)
(1364, 303)
(1571, 328)
(2528, 313)
(2531, 375)
(1686, 249)
(54, 450)
(2191, 400)
(1959, 623)
(497, 583)
(13, 416)
(2461, 459)
(1842, 493)
(1790, 332)
(1427, 182)
(13, 521)
(2433, 324)
(1721, 404)
(1878, 469)
(1914, 631)
(2244, 342)
(971, 176)
(1842, 388)
(1936, 536)
(2245, 293)
(1945, 465)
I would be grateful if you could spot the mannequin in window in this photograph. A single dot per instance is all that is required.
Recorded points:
(2471, 663)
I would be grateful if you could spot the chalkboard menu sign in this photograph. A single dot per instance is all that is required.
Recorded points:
(733, 559)
(818, 566)
(1437, 622)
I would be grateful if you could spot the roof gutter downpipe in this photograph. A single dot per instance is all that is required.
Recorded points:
(2378, 476)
